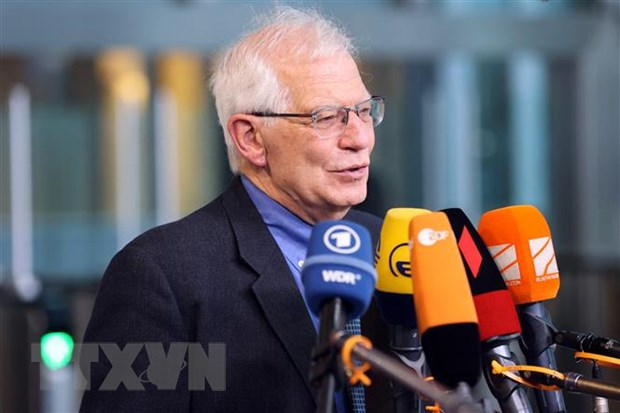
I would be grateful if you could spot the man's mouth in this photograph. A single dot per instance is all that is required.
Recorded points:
(354, 172)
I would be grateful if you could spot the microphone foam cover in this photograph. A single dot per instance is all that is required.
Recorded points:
(453, 353)
(519, 239)
(497, 315)
(393, 263)
(339, 264)
(444, 305)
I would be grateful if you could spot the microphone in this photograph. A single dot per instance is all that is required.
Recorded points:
(394, 298)
(588, 343)
(339, 280)
(498, 320)
(519, 240)
(444, 307)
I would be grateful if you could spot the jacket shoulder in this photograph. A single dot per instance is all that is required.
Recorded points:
(371, 222)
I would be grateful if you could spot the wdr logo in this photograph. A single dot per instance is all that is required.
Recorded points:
(340, 277)
(543, 254)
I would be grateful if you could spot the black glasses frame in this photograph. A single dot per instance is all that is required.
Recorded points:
(315, 113)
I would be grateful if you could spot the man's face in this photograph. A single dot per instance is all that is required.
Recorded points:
(318, 178)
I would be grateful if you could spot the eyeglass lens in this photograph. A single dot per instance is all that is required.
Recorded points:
(330, 121)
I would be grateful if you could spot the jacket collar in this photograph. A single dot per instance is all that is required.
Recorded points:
(274, 288)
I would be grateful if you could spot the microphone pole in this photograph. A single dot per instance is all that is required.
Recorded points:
(600, 404)
(538, 347)
(576, 383)
(406, 344)
(510, 395)
(326, 370)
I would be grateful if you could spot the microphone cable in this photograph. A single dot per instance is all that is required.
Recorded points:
(572, 382)
(601, 404)
(605, 361)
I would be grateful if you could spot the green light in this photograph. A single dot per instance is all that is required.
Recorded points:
(56, 349)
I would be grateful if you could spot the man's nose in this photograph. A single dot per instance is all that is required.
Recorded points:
(357, 134)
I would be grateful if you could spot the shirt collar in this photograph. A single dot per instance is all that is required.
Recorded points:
(282, 223)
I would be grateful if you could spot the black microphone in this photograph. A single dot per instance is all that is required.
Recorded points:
(587, 343)
(339, 279)
(444, 306)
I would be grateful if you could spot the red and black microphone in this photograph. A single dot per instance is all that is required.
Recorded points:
(498, 319)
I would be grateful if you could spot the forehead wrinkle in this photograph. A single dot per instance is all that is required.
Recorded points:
(310, 90)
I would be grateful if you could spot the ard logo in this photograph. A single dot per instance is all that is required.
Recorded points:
(342, 239)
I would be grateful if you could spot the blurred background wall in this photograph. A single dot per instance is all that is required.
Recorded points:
(107, 128)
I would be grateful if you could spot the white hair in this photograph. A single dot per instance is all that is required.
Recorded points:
(245, 80)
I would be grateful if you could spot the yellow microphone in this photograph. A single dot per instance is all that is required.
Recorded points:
(394, 298)
(392, 260)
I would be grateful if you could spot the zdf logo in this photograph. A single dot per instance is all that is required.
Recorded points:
(342, 239)
(429, 237)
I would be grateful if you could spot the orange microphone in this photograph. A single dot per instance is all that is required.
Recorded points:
(519, 239)
(444, 306)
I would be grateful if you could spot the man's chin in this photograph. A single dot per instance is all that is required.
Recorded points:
(353, 198)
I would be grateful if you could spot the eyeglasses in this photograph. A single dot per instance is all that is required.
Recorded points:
(330, 121)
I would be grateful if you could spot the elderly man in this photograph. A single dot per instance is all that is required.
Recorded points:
(299, 128)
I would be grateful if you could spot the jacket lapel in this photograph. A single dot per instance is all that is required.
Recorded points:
(275, 289)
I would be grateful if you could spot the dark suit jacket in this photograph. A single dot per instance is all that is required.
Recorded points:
(215, 276)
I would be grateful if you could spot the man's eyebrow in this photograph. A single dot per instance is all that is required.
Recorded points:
(337, 105)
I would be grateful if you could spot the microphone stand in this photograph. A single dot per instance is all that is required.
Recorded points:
(407, 346)
(538, 347)
(451, 402)
(601, 404)
(574, 382)
(326, 371)
(511, 396)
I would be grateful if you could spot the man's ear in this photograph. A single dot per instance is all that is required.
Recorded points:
(247, 138)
